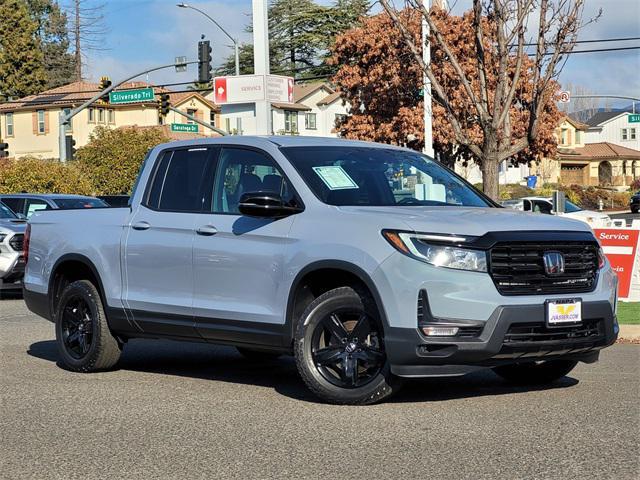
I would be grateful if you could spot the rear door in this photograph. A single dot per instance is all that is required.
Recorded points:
(158, 259)
(239, 260)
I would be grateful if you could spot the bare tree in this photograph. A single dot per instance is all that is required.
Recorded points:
(87, 31)
(501, 60)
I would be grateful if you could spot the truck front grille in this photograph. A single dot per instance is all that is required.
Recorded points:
(518, 268)
(531, 340)
(17, 241)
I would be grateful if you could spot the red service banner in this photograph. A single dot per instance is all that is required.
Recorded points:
(620, 246)
(220, 89)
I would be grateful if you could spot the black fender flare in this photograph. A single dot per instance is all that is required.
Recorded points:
(338, 265)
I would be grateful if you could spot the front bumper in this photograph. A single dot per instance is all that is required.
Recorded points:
(513, 333)
(11, 269)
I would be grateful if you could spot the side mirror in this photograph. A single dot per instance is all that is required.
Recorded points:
(265, 204)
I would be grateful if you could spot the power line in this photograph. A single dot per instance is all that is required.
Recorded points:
(602, 40)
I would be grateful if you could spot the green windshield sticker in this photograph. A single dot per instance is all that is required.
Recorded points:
(335, 177)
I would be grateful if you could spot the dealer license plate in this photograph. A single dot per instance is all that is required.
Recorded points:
(565, 311)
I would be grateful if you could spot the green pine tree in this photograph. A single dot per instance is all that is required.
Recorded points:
(301, 34)
(53, 36)
(21, 60)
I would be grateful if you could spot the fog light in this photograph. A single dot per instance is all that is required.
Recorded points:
(440, 331)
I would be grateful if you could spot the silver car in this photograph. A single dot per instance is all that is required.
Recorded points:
(11, 238)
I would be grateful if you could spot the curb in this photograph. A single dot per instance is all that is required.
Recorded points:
(629, 332)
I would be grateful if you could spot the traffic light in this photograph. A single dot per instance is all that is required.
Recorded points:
(164, 104)
(71, 147)
(204, 61)
(105, 82)
(3, 150)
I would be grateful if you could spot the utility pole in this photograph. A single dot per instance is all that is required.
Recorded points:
(426, 86)
(78, 53)
(261, 62)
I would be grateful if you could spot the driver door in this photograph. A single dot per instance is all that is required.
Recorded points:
(238, 261)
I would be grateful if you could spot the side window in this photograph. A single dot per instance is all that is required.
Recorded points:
(14, 204)
(178, 181)
(34, 205)
(526, 205)
(242, 171)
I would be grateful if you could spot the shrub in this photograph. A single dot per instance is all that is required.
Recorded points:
(112, 158)
(514, 190)
(35, 175)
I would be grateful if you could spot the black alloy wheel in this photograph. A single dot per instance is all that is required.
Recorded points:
(77, 325)
(84, 340)
(346, 349)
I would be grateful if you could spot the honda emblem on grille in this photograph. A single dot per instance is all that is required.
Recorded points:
(553, 263)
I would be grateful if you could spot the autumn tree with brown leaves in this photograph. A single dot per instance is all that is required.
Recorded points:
(492, 101)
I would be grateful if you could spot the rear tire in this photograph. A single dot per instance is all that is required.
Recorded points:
(84, 340)
(258, 355)
(536, 373)
(339, 349)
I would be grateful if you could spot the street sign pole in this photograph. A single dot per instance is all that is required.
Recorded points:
(65, 119)
(426, 90)
(261, 63)
(198, 121)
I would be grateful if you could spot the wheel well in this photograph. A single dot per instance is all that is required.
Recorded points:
(68, 272)
(317, 282)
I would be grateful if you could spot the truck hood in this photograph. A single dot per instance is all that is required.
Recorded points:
(465, 220)
(12, 225)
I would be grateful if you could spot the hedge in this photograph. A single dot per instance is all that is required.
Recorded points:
(43, 176)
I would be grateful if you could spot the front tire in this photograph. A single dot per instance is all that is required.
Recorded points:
(339, 349)
(536, 373)
(84, 340)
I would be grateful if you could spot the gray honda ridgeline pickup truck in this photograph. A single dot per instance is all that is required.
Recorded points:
(366, 262)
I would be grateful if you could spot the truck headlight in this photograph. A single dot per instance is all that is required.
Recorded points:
(432, 249)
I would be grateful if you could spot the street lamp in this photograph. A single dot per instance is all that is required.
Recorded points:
(235, 42)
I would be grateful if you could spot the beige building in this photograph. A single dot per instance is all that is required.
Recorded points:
(589, 164)
(30, 125)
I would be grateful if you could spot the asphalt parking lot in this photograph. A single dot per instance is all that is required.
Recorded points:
(175, 410)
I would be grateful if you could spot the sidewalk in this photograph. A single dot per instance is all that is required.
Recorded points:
(629, 333)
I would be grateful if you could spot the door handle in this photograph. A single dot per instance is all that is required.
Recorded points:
(207, 230)
(141, 226)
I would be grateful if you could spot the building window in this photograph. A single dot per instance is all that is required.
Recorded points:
(112, 115)
(101, 115)
(578, 136)
(625, 135)
(41, 126)
(290, 121)
(67, 127)
(92, 115)
(227, 125)
(9, 121)
(192, 112)
(310, 121)
(632, 133)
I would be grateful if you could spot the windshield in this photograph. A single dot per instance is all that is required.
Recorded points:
(571, 207)
(379, 177)
(71, 203)
(6, 212)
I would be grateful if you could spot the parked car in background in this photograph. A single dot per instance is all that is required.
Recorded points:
(634, 202)
(115, 200)
(11, 243)
(571, 210)
(27, 203)
(366, 262)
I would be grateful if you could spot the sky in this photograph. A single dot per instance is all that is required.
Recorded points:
(147, 33)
